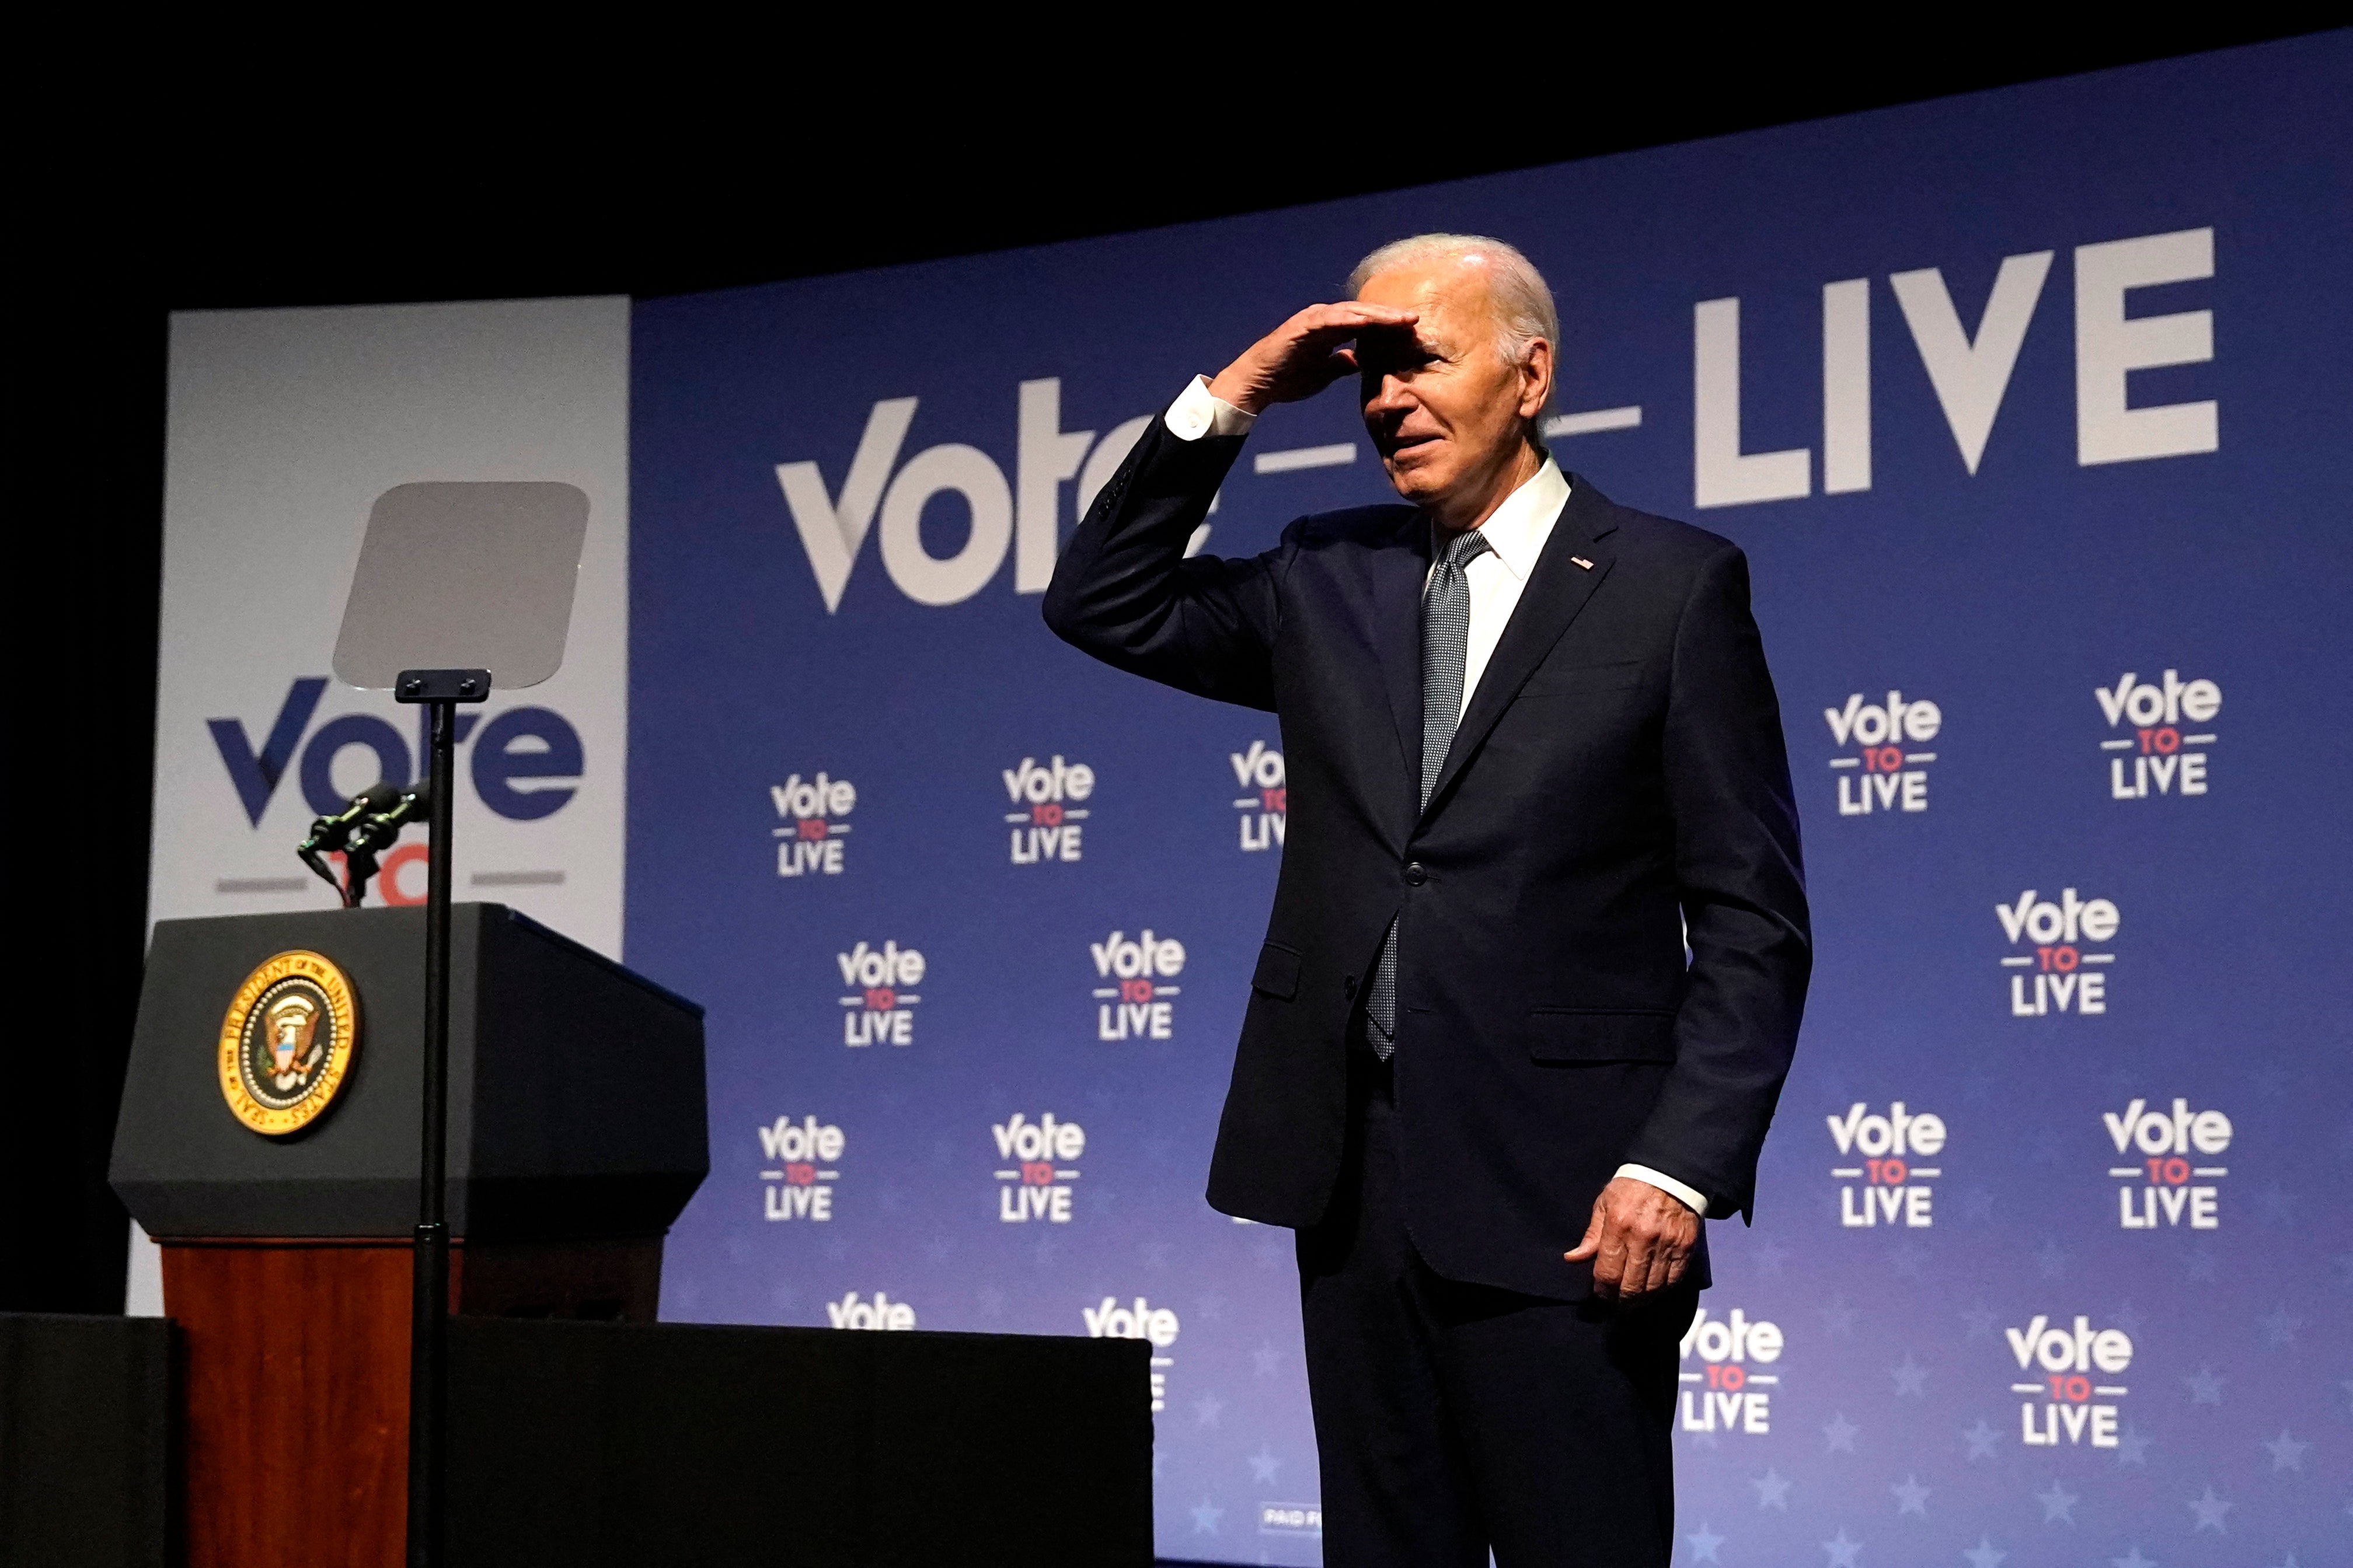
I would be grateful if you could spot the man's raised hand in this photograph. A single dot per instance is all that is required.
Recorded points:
(1304, 355)
(1640, 1240)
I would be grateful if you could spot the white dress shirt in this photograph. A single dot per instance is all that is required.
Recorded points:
(1516, 534)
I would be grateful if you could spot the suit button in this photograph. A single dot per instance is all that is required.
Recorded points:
(1415, 876)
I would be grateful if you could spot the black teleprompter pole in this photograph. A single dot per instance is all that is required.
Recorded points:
(429, 1340)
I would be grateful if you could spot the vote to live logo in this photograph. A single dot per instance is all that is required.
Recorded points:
(1047, 820)
(2171, 1187)
(2072, 1403)
(1268, 805)
(1142, 1321)
(801, 1184)
(2164, 760)
(1136, 1005)
(876, 1012)
(809, 842)
(1882, 775)
(2062, 966)
(882, 1312)
(1893, 1192)
(1729, 1397)
(1038, 1186)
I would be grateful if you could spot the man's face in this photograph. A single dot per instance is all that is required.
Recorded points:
(1445, 410)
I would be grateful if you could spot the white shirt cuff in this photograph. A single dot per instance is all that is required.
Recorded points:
(1687, 1196)
(1198, 412)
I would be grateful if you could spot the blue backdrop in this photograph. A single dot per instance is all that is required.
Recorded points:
(2031, 414)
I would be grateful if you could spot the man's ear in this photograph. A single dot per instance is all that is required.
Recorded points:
(1535, 378)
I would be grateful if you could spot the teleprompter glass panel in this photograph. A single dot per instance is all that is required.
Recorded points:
(472, 576)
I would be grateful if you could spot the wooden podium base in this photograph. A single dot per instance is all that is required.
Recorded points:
(296, 1434)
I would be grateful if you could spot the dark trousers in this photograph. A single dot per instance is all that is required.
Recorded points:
(1451, 1418)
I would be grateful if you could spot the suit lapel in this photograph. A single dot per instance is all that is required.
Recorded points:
(1557, 589)
(1397, 572)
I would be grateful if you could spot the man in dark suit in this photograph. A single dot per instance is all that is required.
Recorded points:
(1540, 940)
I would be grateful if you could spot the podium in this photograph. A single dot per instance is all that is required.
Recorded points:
(268, 1141)
(577, 1132)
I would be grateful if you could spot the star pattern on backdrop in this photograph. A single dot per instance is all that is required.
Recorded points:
(2132, 1447)
(1985, 1553)
(1839, 1433)
(1911, 1496)
(2210, 1511)
(2288, 1453)
(1838, 1318)
(1977, 1202)
(1772, 1489)
(1907, 1259)
(1981, 1321)
(2277, 1205)
(2132, 1559)
(2202, 1264)
(1206, 1515)
(2127, 1318)
(2344, 1262)
(1263, 1465)
(2205, 1386)
(2058, 1503)
(1980, 1438)
(1842, 1551)
(1207, 1409)
(2052, 1260)
(1265, 1361)
(1909, 1377)
(1703, 1543)
(2280, 1325)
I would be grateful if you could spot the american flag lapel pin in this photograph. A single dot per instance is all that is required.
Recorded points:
(1581, 561)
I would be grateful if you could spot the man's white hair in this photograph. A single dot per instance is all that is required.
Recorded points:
(1524, 308)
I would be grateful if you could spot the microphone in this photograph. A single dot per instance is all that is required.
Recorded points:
(329, 833)
(369, 821)
(382, 825)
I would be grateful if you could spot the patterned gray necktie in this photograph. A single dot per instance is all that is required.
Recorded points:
(1445, 643)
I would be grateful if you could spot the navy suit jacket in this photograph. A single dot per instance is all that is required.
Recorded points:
(1617, 789)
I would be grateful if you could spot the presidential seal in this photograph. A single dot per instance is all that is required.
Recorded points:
(286, 1042)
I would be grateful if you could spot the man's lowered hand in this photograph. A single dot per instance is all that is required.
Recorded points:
(1640, 1240)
